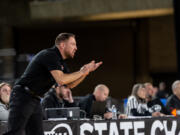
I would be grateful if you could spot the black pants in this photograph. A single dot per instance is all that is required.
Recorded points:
(25, 114)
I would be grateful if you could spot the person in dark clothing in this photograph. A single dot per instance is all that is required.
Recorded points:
(58, 97)
(46, 68)
(86, 104)
(154, 104)
(162, 92)
(173, 102)
(100, 93)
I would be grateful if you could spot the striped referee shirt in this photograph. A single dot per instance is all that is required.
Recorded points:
(133, 103)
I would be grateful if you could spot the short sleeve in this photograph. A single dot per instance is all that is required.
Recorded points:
(51, 61)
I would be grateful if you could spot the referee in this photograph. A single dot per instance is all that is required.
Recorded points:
(45, 69)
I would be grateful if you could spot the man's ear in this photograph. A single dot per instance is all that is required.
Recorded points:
(174, 92)
(62, 45)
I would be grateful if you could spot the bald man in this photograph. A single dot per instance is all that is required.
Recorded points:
(173, 102)
(101, 93)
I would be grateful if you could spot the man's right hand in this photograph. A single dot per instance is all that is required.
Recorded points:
(92, 66)
(108, 115)
(156, 114)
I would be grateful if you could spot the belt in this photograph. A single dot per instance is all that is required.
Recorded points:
(30, 92)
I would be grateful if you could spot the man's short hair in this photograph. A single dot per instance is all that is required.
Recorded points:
(101, 87)
(147, 84)
(174, 85)
(63, 37)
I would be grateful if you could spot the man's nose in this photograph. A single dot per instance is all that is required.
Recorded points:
(76, 48)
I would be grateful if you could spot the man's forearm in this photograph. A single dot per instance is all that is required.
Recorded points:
(72, 77)
(62, 78)
(75, 83)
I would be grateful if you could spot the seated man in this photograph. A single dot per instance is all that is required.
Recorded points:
(5, 90)
(154, 104)
(100, 93)
(58, 97)
(173, 102)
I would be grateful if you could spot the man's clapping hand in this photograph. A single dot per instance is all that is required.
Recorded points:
(92, 66)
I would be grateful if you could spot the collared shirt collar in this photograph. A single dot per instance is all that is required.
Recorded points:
(4, 105)
(63, 61)
(176, 97)
(57, 51)
(93, 97)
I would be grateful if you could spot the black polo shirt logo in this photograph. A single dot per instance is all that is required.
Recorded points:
(62, 67)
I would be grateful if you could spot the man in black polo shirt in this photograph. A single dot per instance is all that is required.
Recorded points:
(154, 104)
(46, 68)
(173, 102)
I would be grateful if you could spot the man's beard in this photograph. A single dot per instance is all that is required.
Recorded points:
(69, 56)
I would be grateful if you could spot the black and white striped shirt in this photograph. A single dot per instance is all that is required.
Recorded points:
(139, 107)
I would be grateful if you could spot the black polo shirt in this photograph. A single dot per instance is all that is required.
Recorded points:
(37, 76)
